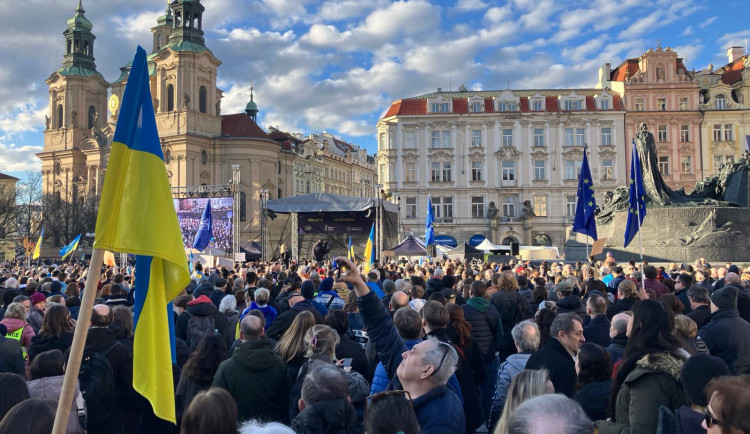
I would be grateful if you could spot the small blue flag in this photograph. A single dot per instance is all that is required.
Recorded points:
(585, 221)
(637, 200)
(205, 232)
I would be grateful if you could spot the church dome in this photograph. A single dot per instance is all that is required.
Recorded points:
(251, 106)
(79, 20)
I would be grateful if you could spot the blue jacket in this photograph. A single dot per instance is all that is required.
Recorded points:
(380, 380)
(597, 331)
(268, 312)
(374, 287)
(440, 410)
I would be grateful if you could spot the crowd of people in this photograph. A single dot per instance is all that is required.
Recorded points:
(221, 221)
(439, 347)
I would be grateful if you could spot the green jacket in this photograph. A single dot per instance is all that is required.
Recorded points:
(654, 382)
(257, 379)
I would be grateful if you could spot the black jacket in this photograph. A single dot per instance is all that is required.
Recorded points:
(617, 347)
(486, 330)
(433, 285)
(572, 303)
(40, 344)
(621, 305)
(283, 321)
(728, 338)
(597, 331)
(347, 348)
(203, 309)
(562, 368)
(333, 416)
(512, 308)
(700, 314)
(683, 297)
(11, 356)
(594, 398)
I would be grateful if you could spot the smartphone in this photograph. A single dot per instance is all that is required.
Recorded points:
(347, 362)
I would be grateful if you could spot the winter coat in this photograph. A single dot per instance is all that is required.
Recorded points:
(15, 324)
(50, 388)
(512, 308)
(683, 297)
(470, 374)
(654, 382)
(438, 411)
(700, 314)
(11, 356)
(285, 320)
(347, 348)
(257, 379)
(380, 380)
(727, 337)
(35, 318)
(42, 343)
(597, 331)
(203, 307)
(332, 416)
(572, 303)
(617, 347)
(185, 392)
(330, 299)
(486, 328)
(614, 284)
(433, 285)
(594, 398)
(512, 366)
(743, 301)
(269, 312)
(621, 305)
(684, 420)
(554, 357)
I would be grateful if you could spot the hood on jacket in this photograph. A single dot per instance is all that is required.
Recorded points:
(330, 416)
(479, 303)
(571, 302)
(255, 355)
(205, 288)
(14, 324)
(662, 362)
(518, 360)
(202, 306)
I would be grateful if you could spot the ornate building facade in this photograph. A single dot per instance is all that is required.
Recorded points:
(503, 164)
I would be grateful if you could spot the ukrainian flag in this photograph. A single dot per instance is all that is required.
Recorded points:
(38, 248)
(137, 215)
(67, 250)
(370, 251)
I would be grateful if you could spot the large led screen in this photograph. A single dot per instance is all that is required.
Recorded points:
(189, 211)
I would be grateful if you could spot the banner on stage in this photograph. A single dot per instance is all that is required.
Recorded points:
(335, 222)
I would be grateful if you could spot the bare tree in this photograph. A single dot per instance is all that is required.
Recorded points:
(29, 205)
(67, 215)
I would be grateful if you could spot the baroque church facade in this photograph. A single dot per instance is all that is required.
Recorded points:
(200, 144)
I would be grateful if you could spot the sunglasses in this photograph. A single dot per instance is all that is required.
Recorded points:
(710, 420)
(445, 354)
(382, 395)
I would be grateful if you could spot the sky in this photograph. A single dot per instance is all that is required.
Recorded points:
(337, 65)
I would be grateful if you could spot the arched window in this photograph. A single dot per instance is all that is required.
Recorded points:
(167, 156)
(92, 115)
(58, 168)
(204, 157)
(86, 48)
(158, 42)
(508, 240)
(542, 240)
(59, 116)
(170, 97)
(70, 46)
(202, 99)
(243, 205)
(721, 102)
(177, 19)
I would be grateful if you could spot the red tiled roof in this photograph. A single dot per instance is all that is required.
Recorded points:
(525, 105)
(733, 71)
(617, 103)
(241, 125)
(460, 105)
(626, 69)
(551, 105)
(407, 107)
(590, 104)
(489, 106)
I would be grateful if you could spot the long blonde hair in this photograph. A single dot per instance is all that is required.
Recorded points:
(526, 385)
(321, 341)
(292, 342)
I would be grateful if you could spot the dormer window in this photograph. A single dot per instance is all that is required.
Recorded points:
(507, 106)
(573, 104)
(721, 102)
(604, 104)
(476, 106)
(537, 105)
(441, 107)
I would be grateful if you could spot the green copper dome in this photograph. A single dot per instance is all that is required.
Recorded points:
(79, 21)
(251, 106)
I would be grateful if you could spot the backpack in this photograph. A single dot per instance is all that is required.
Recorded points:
(198, 326)
(97, 383)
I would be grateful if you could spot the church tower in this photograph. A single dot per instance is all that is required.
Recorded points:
(77, 112)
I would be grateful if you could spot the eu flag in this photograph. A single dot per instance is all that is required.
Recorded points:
(637, 200)
(205, 231)
(137, 215)
(585, 221)
(429, 228)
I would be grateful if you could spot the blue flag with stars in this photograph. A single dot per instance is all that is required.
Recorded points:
(637, 201)
(585, 221)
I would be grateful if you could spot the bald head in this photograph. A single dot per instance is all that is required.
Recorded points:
(399, 299)
(251, 328)
(731, 278)
(101, 316)
(619, 324)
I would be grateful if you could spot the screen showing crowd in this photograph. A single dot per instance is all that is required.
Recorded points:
(189, 212)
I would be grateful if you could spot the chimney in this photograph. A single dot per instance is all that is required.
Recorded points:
(440, 89)
(734, 53)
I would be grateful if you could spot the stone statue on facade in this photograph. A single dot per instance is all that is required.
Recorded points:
(527, 212)
(492, 211)
(74, 118)
(46, 122)
(186, 101)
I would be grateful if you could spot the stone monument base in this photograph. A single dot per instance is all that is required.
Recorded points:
(683, 234)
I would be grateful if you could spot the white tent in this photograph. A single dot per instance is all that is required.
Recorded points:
(487, 246)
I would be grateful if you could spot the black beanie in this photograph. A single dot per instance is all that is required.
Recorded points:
(697, 371)
(725, 298)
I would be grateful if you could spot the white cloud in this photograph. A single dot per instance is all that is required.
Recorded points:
(687, 32)
(470, 5)
(707, 22)
(497, 14)
(344, 9)
(15, 158)
(733, 39)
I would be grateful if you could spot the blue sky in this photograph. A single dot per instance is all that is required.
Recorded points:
(337, 65)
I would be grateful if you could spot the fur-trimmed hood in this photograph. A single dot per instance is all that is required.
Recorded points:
(659, 363)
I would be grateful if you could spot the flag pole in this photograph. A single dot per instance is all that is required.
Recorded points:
(79, 342)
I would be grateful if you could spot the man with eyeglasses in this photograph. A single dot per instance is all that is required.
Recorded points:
(422, 371)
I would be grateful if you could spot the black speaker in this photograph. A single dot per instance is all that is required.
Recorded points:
(431, 251)
(514, 249)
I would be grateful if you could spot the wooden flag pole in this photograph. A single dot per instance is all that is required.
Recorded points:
(79, 342)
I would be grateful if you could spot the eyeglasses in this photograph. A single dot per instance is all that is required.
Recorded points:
(445, 354)
(381, 395)
(710, 420)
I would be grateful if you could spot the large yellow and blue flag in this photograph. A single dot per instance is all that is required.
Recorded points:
(585, 220)
(137, 215)
(350, 253)
(369, 251)
(637, 198)
(38, 248)
(70, 248)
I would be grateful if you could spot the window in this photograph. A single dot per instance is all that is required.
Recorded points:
(540, 170)
(446, 135)
(204, 157)
(684, 133)
(570, 206)
(639, 104)
(662, 133)
(410, 139)
(580, 136)
(540, 206)
(383, 143)
(447, 172)
(435, 172)
(509, 206)
(476, 138)
(539, 137)
(59, 116)
(721, 159)
(442, 107)
(170, 97)
(476, 106)
(664, 164)
(536, 105)
(410, 172)
(604, 104)
(509, 171)
(683, 103)
(411, 207)
(717, 133)
(507, 137)
(573, 104)
(569, 137)
(476, 170)
(507, 106)
(728, 133)
(572, 168)
(608, 168)
(687, 164)
(721, 102)
(167, 156)
(202, 99)
(437, 210)
(661, 104)
(606, 136)
(447, 209)
(434, 139)
(477, 207)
